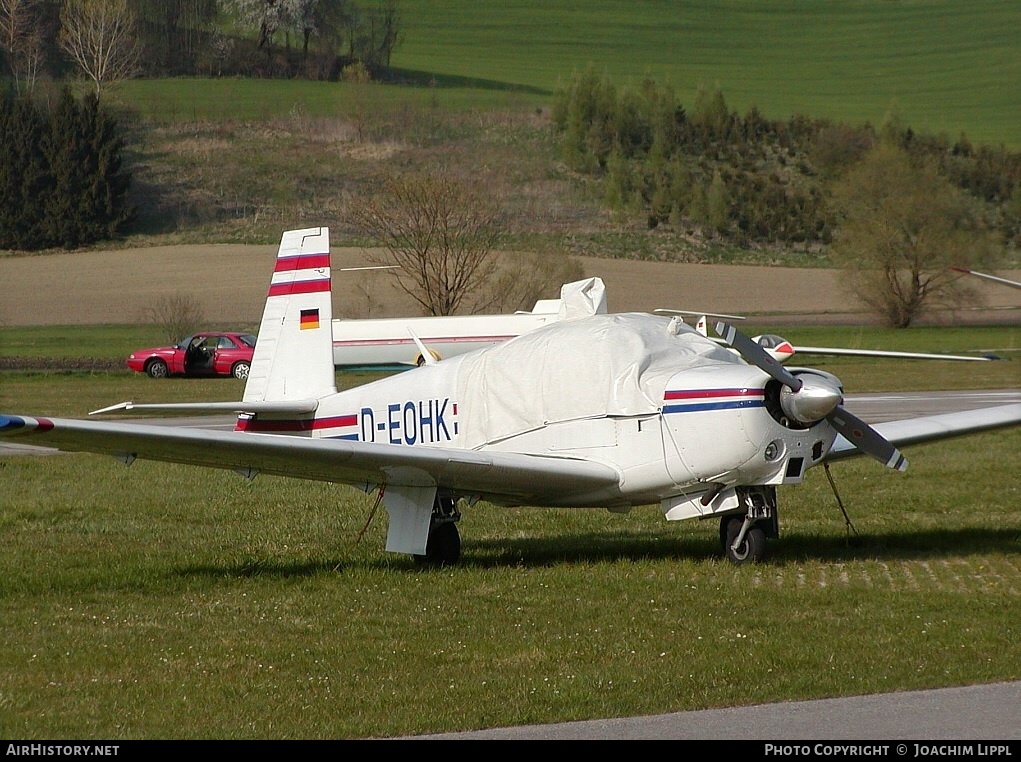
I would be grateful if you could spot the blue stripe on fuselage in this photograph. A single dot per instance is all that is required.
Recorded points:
(703, 406)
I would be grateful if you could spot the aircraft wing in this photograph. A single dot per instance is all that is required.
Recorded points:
(985, 276)
(931, 428)
(518, 477)
(884, 353)
(797, 349)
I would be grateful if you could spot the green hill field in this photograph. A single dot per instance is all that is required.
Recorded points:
(269, 153)
(945, 65)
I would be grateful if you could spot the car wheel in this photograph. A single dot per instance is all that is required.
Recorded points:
(240, 370)
(157, 369)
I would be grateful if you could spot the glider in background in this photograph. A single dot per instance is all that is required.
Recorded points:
(781, 349)
(413, 341)
(993, 278)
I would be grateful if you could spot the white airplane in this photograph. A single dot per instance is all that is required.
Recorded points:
(993, 278)
(601, 410)
(411, 341)
(781, 349)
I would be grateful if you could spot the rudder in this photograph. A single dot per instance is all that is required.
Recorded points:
(293, 356)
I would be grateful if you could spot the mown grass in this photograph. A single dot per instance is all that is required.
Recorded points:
(162, 601)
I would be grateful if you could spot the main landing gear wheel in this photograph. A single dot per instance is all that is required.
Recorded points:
(443, 547)
(752, 548)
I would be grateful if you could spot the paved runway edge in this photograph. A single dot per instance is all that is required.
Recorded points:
(976, 713)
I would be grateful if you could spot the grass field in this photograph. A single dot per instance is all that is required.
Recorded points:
(944, 67)
(162, 601)
(947, 66)
(236, 161)
(168, 602)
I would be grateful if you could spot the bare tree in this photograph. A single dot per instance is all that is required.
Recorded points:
(100, 35)
(524, 278)
(441, 232)
(177, 315)
(21, 40)
(903, 226)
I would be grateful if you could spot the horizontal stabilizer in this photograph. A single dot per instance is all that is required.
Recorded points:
(296, 407)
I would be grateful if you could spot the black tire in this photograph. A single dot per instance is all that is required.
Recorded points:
(240, 370)
(157, 369)
(443, 547)
(751, 550)
(420, 360)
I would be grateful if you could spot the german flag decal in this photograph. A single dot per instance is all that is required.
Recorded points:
(309, 319)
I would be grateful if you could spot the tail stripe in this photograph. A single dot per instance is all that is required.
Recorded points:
(302, 262)
(299, 287)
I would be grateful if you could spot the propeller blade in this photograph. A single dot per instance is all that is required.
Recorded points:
(866, 439)
(757, 356)
(818, 398)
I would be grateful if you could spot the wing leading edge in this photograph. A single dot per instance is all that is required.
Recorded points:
(512, 477)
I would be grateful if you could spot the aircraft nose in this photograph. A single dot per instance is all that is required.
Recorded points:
(817, 398)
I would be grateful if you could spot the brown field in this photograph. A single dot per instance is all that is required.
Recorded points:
(229, 283)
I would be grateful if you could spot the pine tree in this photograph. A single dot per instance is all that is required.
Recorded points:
(103, 204)
(24, 176)
(66, 152)
(87, 200)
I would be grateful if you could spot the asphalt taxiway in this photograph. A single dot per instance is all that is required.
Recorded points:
(976, 713)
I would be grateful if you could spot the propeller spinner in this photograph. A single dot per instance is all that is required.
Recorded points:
(813, 399)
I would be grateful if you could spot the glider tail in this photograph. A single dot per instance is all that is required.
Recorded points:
(293, 357)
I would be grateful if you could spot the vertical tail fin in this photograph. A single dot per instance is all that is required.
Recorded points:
(294, 354)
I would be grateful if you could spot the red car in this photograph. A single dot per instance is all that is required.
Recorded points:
(204, 354)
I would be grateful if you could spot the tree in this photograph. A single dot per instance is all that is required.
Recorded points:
(375, 35)
(440, 231)
(903, 226)
(175, 34)
(266, 15)
(524, 278)
(176, 316)
(86, 198)
(718, 204)
(24, 175)
(100, 35)
(21, 41)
